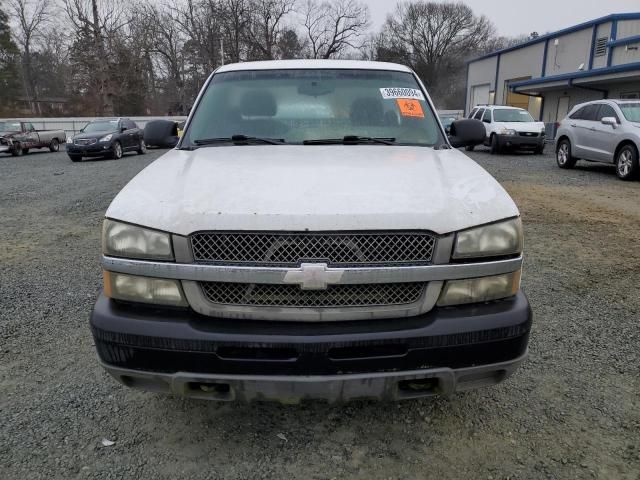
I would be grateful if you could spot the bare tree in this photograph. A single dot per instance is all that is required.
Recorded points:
(31, 18)
(266, 26)
(335, 25)
(236, 20)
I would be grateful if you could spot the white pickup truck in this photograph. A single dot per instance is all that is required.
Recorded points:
(313, 235)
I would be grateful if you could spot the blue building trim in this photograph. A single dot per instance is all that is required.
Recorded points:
(593, 45)
(614, 34)
(544, 58)
(543, 38)
(495, 82)
(624, 41)
(627, 67)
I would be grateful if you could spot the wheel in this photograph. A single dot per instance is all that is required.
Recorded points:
(142, 148)
(539, 150)
(495, 148)
(75, 158)
(563, 154)
(54, 146)
(469, 148)
(117, 151)
(25, 151)
(627, 162)
(17, 151)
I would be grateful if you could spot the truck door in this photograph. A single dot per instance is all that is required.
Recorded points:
(32, 140)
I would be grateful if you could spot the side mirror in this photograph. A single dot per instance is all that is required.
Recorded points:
(610, 121)
(123, 129)
(467, 133)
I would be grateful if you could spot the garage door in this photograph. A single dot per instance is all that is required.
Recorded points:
(480, 94)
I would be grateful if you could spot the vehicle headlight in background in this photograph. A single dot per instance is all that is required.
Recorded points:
(132, 288)
(507, 131)
(130, 241)
(493, 240)
(106, 138)
(69, 139)
(476, 290)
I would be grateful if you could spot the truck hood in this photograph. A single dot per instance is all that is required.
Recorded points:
(8, 134)
(315, 188)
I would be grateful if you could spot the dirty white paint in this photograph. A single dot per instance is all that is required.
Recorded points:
(315, 188)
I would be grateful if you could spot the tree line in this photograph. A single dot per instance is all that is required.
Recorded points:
(116, 57)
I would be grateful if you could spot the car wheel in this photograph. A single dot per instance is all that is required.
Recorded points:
(627, 162)
(563, 155)
(469, 148)
(17, 150)
(25, 151)
(54, 146)
(495, 148)
(142, 148)
(117, 151)
(75, 158)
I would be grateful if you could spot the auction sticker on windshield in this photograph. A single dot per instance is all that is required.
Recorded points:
(396, 92)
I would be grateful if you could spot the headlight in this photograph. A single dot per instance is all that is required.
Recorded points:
(69, 139)
(106, 138)
(130, 241)
(475, 290)
(506, 131)
(494, 240)
(159, 291)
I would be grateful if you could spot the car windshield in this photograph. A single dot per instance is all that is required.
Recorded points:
(9, 126)
(101, 126)
(298, 106)
(511, 115)
(631, 111)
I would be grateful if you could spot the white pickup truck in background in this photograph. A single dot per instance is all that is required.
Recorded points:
(18, 137)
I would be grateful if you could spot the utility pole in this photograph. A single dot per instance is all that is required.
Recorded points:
(221, 51)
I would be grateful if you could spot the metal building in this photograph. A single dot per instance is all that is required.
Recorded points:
(550, 74)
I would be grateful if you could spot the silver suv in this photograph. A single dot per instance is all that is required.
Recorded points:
(601, 131)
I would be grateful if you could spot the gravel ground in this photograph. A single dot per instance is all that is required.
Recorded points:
(571, 412)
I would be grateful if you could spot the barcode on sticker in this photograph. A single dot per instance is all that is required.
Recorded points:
(394, 92)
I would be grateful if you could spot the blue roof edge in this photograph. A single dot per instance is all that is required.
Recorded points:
(587, 73)
(564, 31)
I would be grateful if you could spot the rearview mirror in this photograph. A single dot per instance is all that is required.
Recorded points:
(610, 121)
(466, 133)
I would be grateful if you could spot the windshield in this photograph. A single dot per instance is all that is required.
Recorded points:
(631, 111)
(299, 106)
(9, 126)
(101, 126)
(511, 115)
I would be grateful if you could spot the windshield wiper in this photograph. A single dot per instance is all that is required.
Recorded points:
(350, 140)
(239, 140)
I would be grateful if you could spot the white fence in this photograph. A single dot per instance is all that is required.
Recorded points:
(72, 125)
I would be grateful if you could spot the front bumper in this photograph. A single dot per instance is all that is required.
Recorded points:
(517, 141)
(94, 150)
(440, 352)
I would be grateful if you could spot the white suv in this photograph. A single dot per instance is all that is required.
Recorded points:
(509, 127)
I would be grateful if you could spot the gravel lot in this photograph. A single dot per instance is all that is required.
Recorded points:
(573, 410)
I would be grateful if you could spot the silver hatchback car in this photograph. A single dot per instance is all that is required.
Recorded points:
(601, 131)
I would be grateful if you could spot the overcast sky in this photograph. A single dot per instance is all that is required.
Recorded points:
(514, 17)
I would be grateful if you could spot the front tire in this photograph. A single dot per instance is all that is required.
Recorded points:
(142, 148)
(564, 158)
(627, 163)
(17, 151)
(54, 146)
(117, 151)
(495, 147)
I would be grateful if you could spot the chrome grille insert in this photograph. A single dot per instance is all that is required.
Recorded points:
(267, 295)
(86, 141)
(335, 249)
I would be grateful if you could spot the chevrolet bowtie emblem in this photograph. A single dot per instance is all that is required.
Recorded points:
(314, 276)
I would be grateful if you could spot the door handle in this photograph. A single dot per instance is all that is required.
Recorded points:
(573, 124)
(593, 129)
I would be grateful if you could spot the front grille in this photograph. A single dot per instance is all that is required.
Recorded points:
(86, 141)
(290, 249)
(264, 295)
(528, 134)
